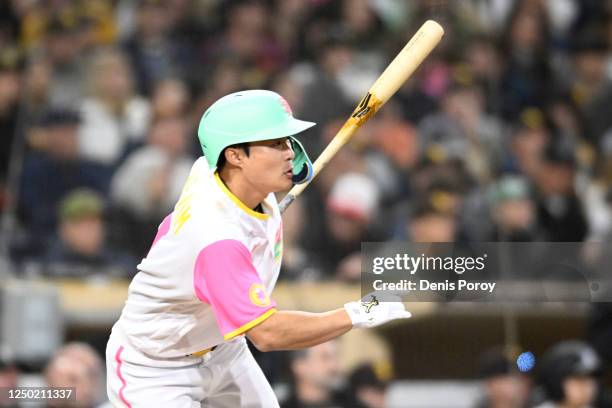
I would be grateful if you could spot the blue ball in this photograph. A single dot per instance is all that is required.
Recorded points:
(526, 361)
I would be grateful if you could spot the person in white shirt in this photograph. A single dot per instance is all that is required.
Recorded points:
(150, 180)
(113, 116)
(206, 282)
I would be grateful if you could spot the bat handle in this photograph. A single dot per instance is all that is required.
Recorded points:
(286, 202)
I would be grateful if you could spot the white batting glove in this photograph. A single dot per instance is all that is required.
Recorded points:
(370, 312)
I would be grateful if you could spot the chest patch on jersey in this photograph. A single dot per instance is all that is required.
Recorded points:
(278, 243)
(258, 295)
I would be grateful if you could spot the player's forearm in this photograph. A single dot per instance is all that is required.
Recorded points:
(289, 330)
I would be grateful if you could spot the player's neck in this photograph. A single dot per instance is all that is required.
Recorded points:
(241, 188)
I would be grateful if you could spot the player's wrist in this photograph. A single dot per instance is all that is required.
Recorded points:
(345, 318)
(358, 314)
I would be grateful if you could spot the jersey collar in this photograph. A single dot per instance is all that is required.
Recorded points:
(237, 201)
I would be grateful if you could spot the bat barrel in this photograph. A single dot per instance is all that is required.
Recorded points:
(407, 60)
(392, 78)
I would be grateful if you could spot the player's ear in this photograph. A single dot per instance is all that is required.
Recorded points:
(234, 156)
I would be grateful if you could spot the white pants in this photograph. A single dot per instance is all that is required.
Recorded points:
(226, 377)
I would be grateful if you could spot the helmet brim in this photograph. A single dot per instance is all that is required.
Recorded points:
(289, 128)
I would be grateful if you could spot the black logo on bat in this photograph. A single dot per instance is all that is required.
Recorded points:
(363, 108)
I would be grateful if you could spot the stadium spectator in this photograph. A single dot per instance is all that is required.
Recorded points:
(226, 76)
(568, 376)
(147, 185)
(349, 268)
(81, 249)
(114, 118)
(559, 211)
(513, 211)
(351, 207)
(366, 388)
(317, 378)
(528, 77)
(77, 365)
(528, 140)
(37, 87)
(395, 153)
(462, 130)
(245, 39)
(591, 88)
(324, 99)
(63, 48)
(364, 30)
(483, 66)
(348, 160)
(152, 51)
(597, 196)
(51, 170)
(298, 263)
(289, 18)
(432, 222)
(170, 99)
(93, 22)
(503, 386)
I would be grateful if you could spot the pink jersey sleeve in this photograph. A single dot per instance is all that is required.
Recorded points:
(225, 278)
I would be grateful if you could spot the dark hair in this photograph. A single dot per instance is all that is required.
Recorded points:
(221, 161)
(494, 362)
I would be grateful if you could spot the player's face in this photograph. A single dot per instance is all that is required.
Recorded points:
(269, 166)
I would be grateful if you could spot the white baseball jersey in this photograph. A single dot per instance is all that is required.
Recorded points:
(208, 274)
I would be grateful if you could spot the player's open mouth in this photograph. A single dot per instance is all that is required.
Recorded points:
(289, 173)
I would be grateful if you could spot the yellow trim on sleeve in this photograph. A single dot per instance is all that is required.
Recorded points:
(237, 201)
(201, 353)
(249, 325)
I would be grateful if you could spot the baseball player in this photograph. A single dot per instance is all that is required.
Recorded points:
(205, 284)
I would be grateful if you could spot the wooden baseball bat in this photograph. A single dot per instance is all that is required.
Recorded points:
(398, 71)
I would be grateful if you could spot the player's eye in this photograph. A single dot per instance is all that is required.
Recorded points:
(280, 143)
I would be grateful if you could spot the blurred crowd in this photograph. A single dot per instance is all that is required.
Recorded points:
(568, 376)
(503, 134)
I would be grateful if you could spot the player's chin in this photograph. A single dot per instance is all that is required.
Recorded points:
(285, 182)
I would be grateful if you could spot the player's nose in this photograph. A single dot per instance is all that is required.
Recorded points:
(289, 151)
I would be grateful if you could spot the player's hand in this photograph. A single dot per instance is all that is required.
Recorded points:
(370, 312)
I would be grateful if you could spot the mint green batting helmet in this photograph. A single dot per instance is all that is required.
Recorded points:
(250, 116)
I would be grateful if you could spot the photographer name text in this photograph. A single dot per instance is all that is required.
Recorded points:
(406, 285)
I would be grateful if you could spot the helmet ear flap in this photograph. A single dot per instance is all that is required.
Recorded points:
(305, 175)
(303, 170)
